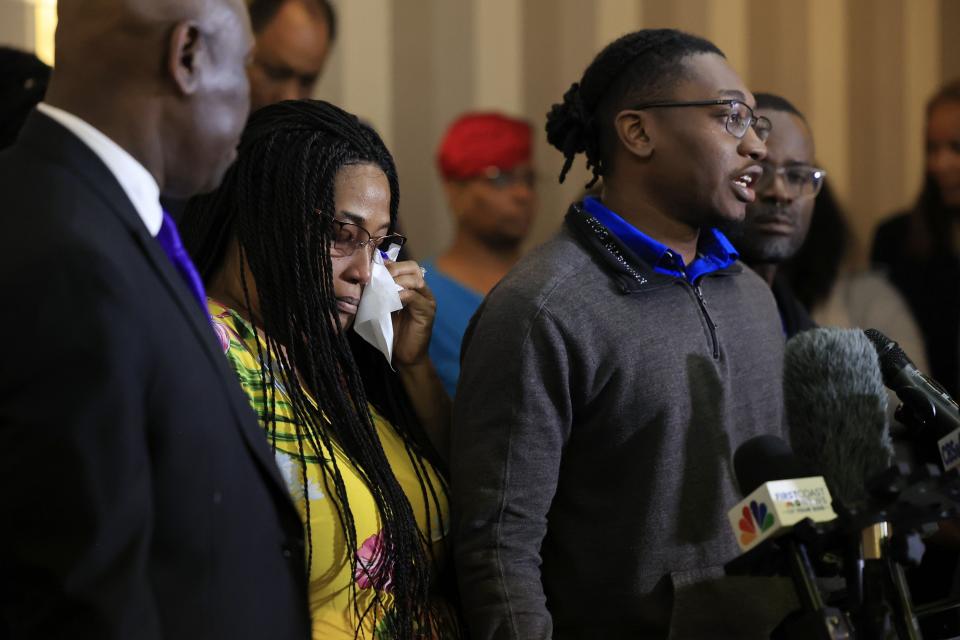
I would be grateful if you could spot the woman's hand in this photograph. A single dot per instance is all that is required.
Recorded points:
(413, 324)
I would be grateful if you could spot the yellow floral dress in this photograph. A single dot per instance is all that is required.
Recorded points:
(333, 567)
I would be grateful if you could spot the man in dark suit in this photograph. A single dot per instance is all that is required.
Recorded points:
(138, 497)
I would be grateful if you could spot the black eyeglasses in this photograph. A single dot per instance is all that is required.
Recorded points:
(738, 120)
(348, 237)
(799, 180)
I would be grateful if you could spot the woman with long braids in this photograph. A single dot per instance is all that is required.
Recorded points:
(285, 248)
(920, 248)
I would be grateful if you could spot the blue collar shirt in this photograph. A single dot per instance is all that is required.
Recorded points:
(714, 251)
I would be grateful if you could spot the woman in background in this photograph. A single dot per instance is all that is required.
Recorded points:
(920, 248)
(285, 248)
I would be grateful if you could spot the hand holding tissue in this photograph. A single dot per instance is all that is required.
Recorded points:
(381, 297)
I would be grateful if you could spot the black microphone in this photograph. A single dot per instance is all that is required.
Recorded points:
(928, 406)
(836, 406)
(767, 458)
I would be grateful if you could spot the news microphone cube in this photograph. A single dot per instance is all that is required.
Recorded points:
(776, 506)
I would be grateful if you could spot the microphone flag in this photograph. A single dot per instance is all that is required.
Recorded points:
(775, 506)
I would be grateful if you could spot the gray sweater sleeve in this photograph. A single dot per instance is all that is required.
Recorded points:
(512, 417)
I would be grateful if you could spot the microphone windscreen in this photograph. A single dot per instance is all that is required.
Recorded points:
(767, 458)
(836, 406)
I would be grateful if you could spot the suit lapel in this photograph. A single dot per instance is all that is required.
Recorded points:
(200, 325)
(60, 146)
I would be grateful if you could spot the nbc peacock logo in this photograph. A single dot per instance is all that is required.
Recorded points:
(756, 519)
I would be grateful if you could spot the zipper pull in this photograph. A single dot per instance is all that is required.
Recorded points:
(699, 292)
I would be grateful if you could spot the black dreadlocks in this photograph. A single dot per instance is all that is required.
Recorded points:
(637, 67)
(269, 201)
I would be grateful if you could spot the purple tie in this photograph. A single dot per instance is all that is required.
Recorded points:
(170, 241)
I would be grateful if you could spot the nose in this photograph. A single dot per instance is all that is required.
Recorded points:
(752, 146)
(777, 191)
(361, 266)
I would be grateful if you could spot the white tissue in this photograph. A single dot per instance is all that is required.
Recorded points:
(380, 298)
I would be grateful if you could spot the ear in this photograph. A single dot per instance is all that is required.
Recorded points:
(187, 54)
(632, 130)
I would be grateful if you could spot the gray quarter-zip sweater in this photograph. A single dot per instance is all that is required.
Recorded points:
(598, 410)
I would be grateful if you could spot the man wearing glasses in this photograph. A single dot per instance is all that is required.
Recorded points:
(609, 377)
(484, 161)
(777, 221)
(293, 41)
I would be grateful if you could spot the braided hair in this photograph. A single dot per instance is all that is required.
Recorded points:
(277, 202)
(640, 66)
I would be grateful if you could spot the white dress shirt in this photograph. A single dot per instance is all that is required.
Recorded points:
(137, 182)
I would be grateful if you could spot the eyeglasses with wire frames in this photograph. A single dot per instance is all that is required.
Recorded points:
(505, 179)
(740, 117)
(348, 237)
(799, 180)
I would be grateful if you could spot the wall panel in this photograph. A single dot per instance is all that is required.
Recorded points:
(860, 69)
(949, 18)
(17, 24)
(875, 39)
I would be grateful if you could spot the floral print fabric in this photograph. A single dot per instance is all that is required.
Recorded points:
(334, 567)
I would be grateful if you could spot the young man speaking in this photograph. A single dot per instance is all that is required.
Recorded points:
(611, 375)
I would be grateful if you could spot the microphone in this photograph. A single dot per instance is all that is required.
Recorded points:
(780, 492)
(926, 405)
(766, 458)
(772, 509)
(836, 406)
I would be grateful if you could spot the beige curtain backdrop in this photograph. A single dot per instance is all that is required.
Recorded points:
(860, 69)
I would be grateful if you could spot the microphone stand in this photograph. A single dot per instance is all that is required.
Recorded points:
(884, 595)
(814, 621)
(920, 418)
(903, 502)
(875, 543)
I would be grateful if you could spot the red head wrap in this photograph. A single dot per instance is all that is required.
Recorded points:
(477, 141)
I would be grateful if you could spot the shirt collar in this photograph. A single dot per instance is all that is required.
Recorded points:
(714, 251)
(139, 185)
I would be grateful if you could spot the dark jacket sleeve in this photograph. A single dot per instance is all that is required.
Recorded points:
(512, 416)
(75, 470)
